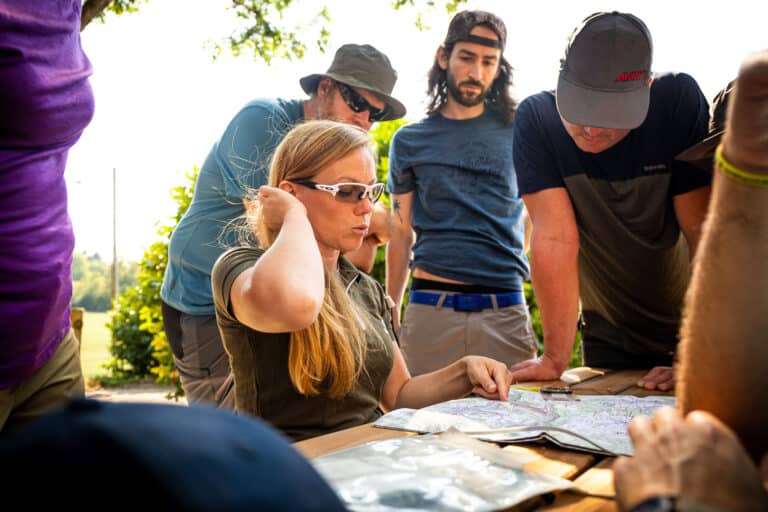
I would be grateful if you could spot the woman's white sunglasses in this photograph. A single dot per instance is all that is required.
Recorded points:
(347, 192)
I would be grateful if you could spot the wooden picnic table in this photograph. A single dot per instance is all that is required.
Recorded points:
(590, 471)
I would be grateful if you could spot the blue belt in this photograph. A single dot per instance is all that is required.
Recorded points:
(467, 301)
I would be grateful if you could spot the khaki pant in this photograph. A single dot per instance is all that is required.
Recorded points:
(54, 384)
(200, 359)
(432, 337)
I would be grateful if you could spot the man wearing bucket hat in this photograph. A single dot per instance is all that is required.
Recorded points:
(615, 216)
(453, 182)
(357, 90)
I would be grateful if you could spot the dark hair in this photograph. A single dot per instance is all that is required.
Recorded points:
(498, 99)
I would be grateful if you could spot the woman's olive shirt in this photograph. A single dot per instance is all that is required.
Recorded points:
(259, 360)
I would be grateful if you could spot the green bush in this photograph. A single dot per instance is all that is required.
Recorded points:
(140, 348)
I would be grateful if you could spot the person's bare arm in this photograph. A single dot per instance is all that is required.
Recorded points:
(481, 375)
(724, 337)
(554, 271)
(399, 252)
(284, 290)
(691, 210)
(379, 233)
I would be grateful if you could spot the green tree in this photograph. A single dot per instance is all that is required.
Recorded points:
(382, 135)
(140, 348)
(92, 281)
(262, 27)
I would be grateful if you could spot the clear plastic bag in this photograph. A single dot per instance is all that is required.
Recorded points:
(444, 472)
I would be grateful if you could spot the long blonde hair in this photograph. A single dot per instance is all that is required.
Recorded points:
(333, 348)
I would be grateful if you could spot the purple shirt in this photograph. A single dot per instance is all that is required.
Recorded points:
(45, 103)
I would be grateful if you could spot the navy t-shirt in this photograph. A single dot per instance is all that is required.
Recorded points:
(633, 261)
(467, 212)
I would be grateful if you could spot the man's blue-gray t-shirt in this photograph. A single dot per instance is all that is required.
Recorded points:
(467, 212)
(239, 161)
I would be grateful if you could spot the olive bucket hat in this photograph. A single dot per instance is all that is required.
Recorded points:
(365, 67)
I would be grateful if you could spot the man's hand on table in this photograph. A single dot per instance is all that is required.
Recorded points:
(540, 368)
(696, 459)
(660, 377)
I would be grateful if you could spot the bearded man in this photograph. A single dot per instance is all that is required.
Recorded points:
(453, 182)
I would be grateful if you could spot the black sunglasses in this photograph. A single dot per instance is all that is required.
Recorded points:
(359, 104)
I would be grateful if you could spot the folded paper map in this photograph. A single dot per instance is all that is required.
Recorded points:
(592, 423)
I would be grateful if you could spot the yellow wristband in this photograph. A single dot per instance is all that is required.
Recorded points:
(733, 172)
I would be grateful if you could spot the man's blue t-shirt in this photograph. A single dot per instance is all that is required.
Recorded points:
(633, 261)
(467, 213)
(239, 161)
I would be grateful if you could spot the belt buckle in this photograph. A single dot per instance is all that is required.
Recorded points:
(471, 302)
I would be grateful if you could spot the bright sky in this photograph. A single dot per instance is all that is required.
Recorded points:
(161, 102)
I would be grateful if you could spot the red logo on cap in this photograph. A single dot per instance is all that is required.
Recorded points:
(628, 76)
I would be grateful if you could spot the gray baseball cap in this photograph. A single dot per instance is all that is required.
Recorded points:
(605, 74)
(365, 67)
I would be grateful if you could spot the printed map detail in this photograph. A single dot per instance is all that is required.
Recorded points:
(601, 419)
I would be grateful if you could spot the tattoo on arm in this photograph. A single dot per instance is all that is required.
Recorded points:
(396, 210)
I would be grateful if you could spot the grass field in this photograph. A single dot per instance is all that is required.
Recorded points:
(95, 347)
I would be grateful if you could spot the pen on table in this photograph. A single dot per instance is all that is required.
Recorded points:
(526, 388)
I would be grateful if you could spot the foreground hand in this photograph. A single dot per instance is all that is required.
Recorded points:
(745, 142)
(275, 205)
(697, 459)
(660, 377)
(489, 378)
(540, 368)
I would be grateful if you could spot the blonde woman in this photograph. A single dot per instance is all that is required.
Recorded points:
(308, 335)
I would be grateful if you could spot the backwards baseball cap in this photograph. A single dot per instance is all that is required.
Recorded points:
(463, 22)
(161, 456)
(605, 74)
(365, 67)
(701, 154)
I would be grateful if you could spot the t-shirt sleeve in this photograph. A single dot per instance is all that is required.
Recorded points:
(689, 118)
(228, 266)
(400, 179)
(245, 148)
(534, 165)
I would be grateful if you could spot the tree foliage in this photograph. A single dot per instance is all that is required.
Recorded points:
(382, 136)
(262, 27)
(92, 281)
(139, 347)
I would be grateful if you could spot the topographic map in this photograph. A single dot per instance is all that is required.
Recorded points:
(593, 423)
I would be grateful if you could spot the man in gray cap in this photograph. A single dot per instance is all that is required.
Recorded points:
(453, 183)
(356, 89)
(615, 217)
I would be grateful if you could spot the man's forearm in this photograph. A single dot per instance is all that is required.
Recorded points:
(554, 271)
(398, 257)
(726, 315)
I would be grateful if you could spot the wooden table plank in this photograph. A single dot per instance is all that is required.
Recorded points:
(348, 438)
(567, 502)
(612, 383)
(554, 461)
(598, 479)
